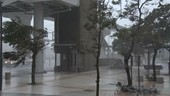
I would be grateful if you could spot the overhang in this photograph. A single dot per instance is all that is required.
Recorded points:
(50, 6)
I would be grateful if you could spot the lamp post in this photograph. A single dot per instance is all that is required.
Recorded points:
(1, 64)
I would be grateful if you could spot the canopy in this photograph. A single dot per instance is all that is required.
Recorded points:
(50, 6)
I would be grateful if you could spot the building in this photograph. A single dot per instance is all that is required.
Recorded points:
(69, 17)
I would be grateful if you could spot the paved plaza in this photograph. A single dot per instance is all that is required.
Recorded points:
(76, 84)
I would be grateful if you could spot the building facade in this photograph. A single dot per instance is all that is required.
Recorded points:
(70, 35)
(69, 16)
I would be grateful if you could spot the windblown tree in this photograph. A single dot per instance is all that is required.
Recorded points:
(99, 18)
(24, 39)
(167, 47)
(165, 24)
(134, 11)
(156, 31)
(123, 44)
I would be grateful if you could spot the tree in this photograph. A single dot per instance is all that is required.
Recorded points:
(156, 31)
(99, 18)
(154, 42)
(165, 24)
(125, 46)
(24, 39)
(134, 11)
(168, 49)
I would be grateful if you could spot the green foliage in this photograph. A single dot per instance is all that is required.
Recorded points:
(116, 1)
(10, 55)
(136, 10)
(23, 38)
(124, 40)
(156, 27)
(155, 31)
(128, 37)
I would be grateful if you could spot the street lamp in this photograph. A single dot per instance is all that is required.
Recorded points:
(1, 64)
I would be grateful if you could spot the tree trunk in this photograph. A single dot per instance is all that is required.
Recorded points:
(168, 49)
(97, 66)
(98, 77)
(169, 62)
(98, 73)
(153, 64)
(126, 59)
(127, 72)
(33, 70)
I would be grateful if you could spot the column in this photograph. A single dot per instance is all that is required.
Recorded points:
(39, 23)
(56, 41)
(57, 29)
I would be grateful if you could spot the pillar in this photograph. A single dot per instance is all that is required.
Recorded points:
(39, 23)
(87, 60)
(56, 41)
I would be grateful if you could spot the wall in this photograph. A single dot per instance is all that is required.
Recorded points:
(69, 26)
(71, 31)
(88, 60)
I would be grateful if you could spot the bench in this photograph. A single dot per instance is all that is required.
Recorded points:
(160, 80)
(149, 67)
(157, 67)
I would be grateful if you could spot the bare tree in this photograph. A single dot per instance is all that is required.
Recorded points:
(99, 18)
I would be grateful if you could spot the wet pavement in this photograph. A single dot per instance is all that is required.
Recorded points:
(22, 94)
(78, 84)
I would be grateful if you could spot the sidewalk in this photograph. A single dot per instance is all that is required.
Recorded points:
(75, 84)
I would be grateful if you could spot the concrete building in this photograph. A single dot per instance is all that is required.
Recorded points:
(69, 17)
(70, 35)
